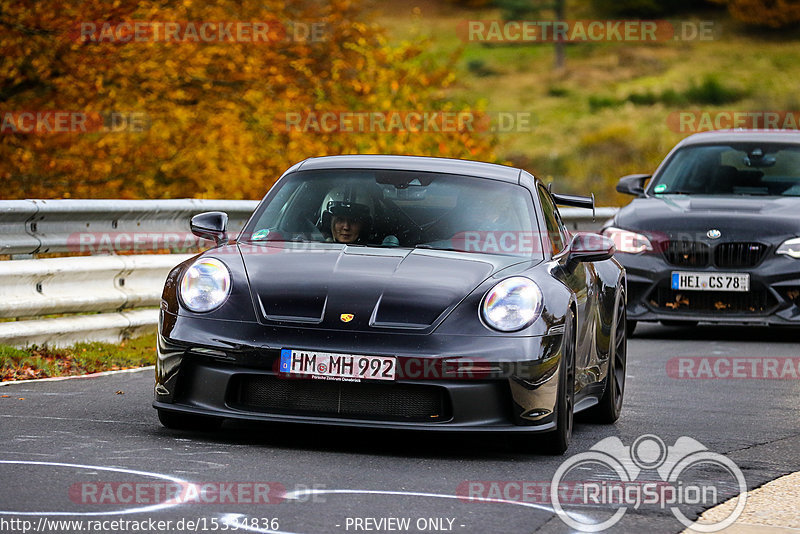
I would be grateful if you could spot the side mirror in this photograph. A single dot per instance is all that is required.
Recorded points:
(633, 184)
(586, 246)
(210, 225)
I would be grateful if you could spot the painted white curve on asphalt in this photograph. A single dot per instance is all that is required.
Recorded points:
(77, 377)
(234, 520)
(124, 511)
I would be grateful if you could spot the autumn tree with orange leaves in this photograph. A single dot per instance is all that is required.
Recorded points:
(207, 117)
(766, 14)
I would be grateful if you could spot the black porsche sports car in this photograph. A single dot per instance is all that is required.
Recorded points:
(397, 292)
(715, 235)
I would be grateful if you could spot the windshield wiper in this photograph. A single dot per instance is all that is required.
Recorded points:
(431, 247)
(268, 241)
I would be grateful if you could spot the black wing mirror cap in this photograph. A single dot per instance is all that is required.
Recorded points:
(586, 246)
(633, 184)
(210, 225)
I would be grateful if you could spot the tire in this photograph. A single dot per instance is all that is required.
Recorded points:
(181, 421)
(630, 326)
(557, 441)
(685, 324)
(608, 410)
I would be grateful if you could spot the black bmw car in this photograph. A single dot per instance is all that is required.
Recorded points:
(715, 234)
(397, 292)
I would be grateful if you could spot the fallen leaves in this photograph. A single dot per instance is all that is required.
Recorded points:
(680, 300)
(86, 358)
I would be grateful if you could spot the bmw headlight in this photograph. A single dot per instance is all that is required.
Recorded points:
(627, 241)
(512, 304)
(790, 247)
(205, 285)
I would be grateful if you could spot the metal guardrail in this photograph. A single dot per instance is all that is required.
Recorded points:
(80, 284)
(46, 226)
(116, 291)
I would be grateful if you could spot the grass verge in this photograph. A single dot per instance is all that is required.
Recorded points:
(83, 358)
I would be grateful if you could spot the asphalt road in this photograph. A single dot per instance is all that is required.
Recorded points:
(65, 443)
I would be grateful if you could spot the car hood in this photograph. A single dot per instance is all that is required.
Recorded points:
(739, 218)
(321, 285)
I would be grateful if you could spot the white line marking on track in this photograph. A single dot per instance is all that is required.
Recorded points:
(75, 377)
(126, 511)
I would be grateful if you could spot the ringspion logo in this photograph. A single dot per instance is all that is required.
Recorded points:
(611, 474)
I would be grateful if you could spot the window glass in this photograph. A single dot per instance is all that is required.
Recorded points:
(398, 209)
(732, 169)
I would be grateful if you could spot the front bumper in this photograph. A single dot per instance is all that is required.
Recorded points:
(444, 382)
(773, 299)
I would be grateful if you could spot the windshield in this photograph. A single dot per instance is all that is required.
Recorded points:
(735, 169)
(398, 209)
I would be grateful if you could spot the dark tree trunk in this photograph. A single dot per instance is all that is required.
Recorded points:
(560, 46)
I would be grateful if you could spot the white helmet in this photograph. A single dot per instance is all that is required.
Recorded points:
(347, 201)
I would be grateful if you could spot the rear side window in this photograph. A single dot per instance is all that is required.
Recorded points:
(554, 231)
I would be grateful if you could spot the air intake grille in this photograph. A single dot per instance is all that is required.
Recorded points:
(362, 400)
(717, 302)
(687, 253)
(739, 254)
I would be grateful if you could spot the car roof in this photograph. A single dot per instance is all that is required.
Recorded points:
(413, 163)
(740, 135)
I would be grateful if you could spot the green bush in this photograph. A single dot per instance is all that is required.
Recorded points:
(598, 102)
(479, 68)
(712, 91)
(557, 91)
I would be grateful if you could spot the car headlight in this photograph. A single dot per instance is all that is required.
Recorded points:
(205, 285)
(628, 242)
(512, 304)
(790, 247)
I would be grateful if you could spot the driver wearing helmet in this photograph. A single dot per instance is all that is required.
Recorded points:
(346, 215)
